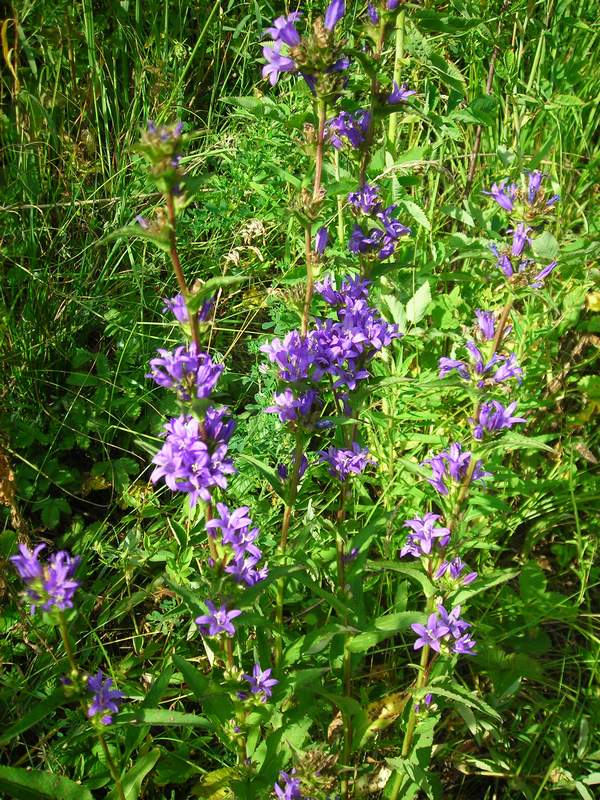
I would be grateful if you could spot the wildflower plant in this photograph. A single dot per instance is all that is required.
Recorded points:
(279, 631)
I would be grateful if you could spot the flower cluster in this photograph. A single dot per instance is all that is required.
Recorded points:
(482, 370)
(218, 620)
(194, 457)
(105, 700)
(487, 368)
(343, 463)
(445, 633)
(529, 203)
(260, 683)
(376, 232)
(317, 56)
(290, 790)
(453, 466)
(50, 585)
(238, 541)
(187, 372)
(375, 10)
(161, 146)
(350, 128)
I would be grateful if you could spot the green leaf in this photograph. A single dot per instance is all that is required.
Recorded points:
(39, 712)
(34, 784)
(267, 472)
(211, 287)
(417, 305)
(416, 213)
(132, 780)
(383, 627)
(161, 716)
(161, 240)
(197, 682)
(545, 247)
(410, 572)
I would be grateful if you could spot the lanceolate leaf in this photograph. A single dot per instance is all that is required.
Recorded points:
(34, 784)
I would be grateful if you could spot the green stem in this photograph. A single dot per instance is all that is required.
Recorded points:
(398, 59)
(285, 528)
(112, 767)
(64, 634)
(173, 252)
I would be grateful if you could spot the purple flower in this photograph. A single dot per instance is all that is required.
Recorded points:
(453, 465)
(422, 539)
(142, 222)
(509, 369)
(535, 181)
(284, 29)
(105, 700)
(493, 416)
(454, 570)
(243, 570)
(479, 369)
(283, 471)
(366, 199)
(464, 645)
(321, 240)
(373, 14)
(352, 127)
(52, 584)
(335, 11)
(276, 63)
(261, 682)
(431, 634)
(504, 193)
(538, 281)
(392, 5)
(452, 621)
(237, 530)
(400, 94)
(189, 373)
(291, 408)
(503, 262)
(189, 463)
(291, 787)
(176, 305)
(520, 239)
(343, 463)
(217, 621)
(487, 324)
(294, 356)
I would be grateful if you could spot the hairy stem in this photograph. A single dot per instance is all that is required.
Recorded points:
(285, 528)
(173, 252)
(112, 767)
(398, 58)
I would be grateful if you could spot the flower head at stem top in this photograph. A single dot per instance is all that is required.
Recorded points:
(50, 585)
(291, 787)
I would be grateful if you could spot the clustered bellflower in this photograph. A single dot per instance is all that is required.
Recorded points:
(346, 462)
(238, 537)
(445, 632)
(260, 682)
(481, 370)
(218, 620)
(452, 467)
(50, 585)
(314, 57)
(105, 700)
(376, 232)
(290, 788)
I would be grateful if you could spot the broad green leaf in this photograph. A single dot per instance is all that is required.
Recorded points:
(483, 584)
(37, 714)
(197, 682)
(545, 247)
(416, 307)
(267, 472)
(161, 716)
(416, 213)
(410, 572)
(35, 784)
(161, 239)
(132, 780)
(210, 287)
